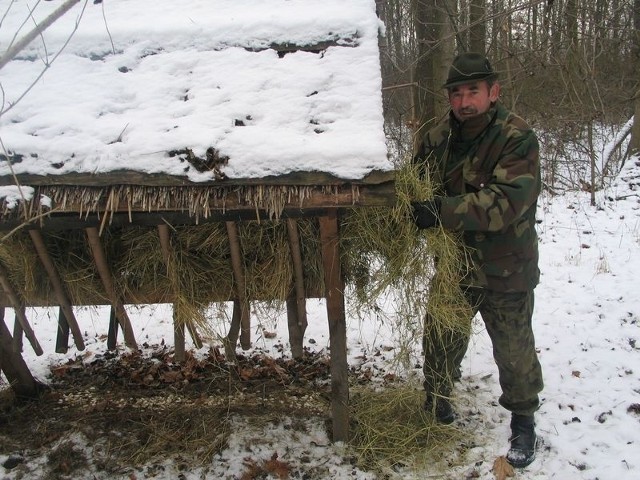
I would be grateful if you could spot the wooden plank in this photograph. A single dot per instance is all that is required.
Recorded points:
(14, 367)
(71, 208)
(131, 177)
(107, 281)
(334, 286)
(238, 274)
(296, 303)
(56, 283)
(18, 307)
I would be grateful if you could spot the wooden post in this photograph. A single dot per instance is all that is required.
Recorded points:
(178, 326)
(13, 365)
(107, 280)
(62, 336)
(112, 333)
(18, 331)
(231, 340)
(296, 302)
(18, 307)
(334, 293)
(238, 275)
(56, 283)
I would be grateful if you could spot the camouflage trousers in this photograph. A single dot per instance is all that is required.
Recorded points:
(507, 317)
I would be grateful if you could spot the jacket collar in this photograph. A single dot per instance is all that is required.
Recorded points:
(472, 128)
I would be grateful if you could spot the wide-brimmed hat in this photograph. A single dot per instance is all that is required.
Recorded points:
(469, 67)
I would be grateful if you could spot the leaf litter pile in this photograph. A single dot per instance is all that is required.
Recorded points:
(142, 408)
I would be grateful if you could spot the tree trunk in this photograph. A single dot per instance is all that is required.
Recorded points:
(634, 146)
(477, 26)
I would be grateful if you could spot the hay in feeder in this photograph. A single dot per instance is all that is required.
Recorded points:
(381, 251)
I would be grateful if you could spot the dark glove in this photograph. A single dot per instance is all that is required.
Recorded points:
(426, 214)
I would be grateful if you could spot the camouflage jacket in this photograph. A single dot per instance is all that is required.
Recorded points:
(487, 172)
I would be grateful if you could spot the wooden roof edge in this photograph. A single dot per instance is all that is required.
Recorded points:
(131, 177)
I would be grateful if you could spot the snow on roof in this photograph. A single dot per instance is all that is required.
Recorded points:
(142, 78)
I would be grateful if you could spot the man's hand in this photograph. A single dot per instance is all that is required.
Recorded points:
(426, 214)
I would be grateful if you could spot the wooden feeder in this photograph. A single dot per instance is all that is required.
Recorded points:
(64, 194)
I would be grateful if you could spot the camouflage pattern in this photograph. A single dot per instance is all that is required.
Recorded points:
(507, 317)
(488, 173)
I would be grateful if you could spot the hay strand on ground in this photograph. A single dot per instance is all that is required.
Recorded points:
(391, 428)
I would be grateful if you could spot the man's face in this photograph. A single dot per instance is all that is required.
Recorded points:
(471, 99)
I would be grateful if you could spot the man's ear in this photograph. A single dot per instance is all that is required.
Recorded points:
(494, 92)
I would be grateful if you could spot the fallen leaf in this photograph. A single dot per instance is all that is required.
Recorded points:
(278, 468)
(502, 469)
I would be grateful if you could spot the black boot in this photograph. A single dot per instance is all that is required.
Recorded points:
(523, 441)
(441, 409)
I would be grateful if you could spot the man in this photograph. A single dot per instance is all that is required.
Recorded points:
(484, 161)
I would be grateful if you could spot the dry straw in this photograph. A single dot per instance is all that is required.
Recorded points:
(393, 431)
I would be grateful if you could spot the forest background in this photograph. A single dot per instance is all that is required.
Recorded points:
(571, 68)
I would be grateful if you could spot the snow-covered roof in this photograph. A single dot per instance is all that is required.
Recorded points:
(142, 84)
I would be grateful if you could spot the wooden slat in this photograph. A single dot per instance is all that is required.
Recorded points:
(296, 303)
(107, 281)
(56, 283)
(334, 285)
(238, 275)
(18, 307)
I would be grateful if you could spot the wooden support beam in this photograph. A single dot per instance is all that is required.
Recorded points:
(104, 271)
(238, 275)
(195, 336)
(178, 326)
(14, 367)
(58, 288)
(18, 331)
(231, 340)
(18, 307)
(112, 334)
(334, 291)
(296, 302)
(62, 336)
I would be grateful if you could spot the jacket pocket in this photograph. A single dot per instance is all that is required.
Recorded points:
(477, 180)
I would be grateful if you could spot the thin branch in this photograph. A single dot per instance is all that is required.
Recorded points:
(48, 64)
(106, 26)
(46, 23)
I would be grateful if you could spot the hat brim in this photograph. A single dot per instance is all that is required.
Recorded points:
(455, 82)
